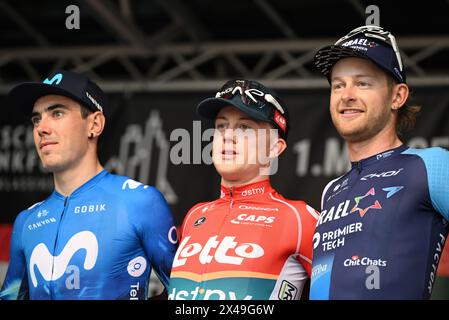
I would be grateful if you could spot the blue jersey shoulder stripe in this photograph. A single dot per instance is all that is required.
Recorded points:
(436, 161)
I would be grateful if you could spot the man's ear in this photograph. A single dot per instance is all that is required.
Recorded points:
(278, 147)
(97, 122)
(400, 95)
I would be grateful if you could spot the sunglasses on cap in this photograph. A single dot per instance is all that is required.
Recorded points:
(377, 33)
(250, 93)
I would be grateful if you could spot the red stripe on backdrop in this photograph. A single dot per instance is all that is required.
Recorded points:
(5, 237)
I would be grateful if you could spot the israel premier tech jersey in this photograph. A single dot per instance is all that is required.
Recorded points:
(98, 243)
(251, 243)
(383, 226)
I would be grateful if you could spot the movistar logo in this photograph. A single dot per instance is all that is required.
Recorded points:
(131, 184)
(52, 268)
(56, 78)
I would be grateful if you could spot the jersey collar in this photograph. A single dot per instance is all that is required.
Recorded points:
(378, 157)
(87, 185)
(247, 191)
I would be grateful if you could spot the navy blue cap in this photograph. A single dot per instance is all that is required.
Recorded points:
(73, 85)
(368, 42)
(252, 98)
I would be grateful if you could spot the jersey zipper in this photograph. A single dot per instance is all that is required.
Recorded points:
(232, 199)
(206, 266)
(359, 166)
(55, 247)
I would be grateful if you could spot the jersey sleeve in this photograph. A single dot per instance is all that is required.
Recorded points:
(309, 217)
(436, 161)
(15, 286)
(157, 233)
(297, 268)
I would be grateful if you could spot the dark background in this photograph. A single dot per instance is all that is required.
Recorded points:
(137, 143)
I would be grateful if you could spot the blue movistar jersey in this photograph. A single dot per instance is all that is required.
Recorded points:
(382, 227)
(101, 242)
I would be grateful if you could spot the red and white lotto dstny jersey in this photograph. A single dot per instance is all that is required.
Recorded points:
(251, 243)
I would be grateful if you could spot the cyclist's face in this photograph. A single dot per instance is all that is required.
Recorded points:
(240, 146)
(60, 133)
(361, 100)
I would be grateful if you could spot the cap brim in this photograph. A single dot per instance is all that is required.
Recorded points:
(210, 107)
(328, 56)
(26, 94)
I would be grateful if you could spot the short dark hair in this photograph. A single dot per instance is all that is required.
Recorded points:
(85, 112)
